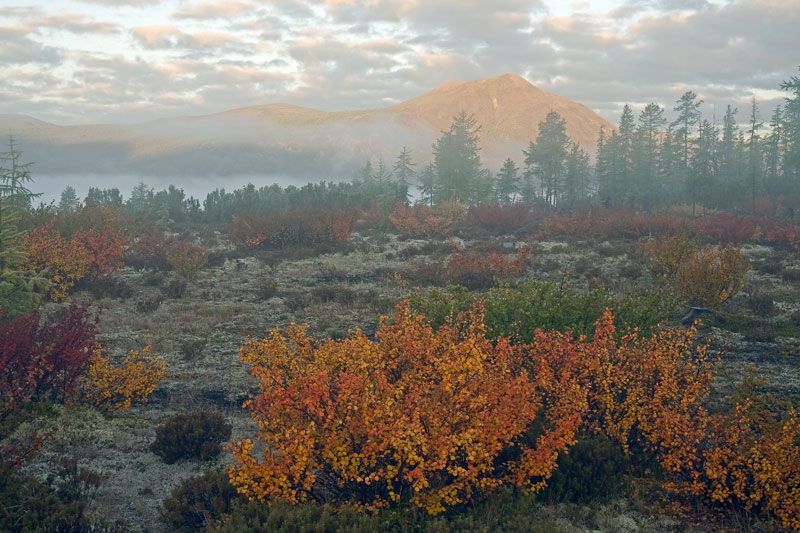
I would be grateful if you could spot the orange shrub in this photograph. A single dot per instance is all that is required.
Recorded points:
(112, 388)
(65, 262)
(422, 221)
(711, 275)
(420, 416)
(105, 248)
(751, 460)
(705, 276)
(185, 259)
(648, 391)
(477, 270)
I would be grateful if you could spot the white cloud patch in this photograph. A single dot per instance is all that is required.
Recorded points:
(139, 59)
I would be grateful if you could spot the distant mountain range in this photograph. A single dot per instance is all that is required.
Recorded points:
(281, 139)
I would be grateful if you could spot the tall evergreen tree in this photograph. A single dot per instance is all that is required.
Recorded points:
(729, 161)
(791, 123)
(648, 132)
(69, 200)
(507, 182)
(403, 171)
(381, 175)
(427, 185)
(773, 152)
(705, 163)
(577, 174)
(754, 152)
(17, 286)
(545, 157)
(624, 154)
(457, 162)
(688, 109)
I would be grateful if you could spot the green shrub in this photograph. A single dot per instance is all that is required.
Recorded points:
(148, 303)
(176, 288)
(267, 288)
(199, 500)
(191, 436)
(110, 287)
(517, 312)
(501, 511)
(333, 293)
(59, 503)
(591, 471)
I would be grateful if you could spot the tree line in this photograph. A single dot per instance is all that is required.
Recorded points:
(645, 162)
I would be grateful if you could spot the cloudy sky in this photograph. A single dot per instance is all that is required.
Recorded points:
(71, 61)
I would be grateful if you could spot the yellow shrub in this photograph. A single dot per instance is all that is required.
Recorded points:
(112, 388)
(711, 275)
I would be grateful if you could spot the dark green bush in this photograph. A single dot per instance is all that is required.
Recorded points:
(148, 303)
(176, 288)
(59, 503)
(500, 511)
(199, 500)
(193, 348)
(333, 293)
(761, 304)
(591, 471)
(110, 287)
(517, 312)
(267, 288)
(191, 436)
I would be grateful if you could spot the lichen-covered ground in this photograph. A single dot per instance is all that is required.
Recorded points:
(200, 333)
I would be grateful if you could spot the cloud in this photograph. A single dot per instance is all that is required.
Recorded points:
(181, 56)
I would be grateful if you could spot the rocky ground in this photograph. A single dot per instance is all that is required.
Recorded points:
(200, 332)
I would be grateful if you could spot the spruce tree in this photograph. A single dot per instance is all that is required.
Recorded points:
(791, 122)
(456, 162)
(403, 171)
(754, 152)
(17, 286)
(546, 156)
(577, 174)
(507, 182)
(688, 108)
(648, 132)
(69, 200)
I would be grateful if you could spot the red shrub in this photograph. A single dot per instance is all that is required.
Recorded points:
(44, 360)
(150, 252)
(478, 270)
(291, 228)
(423, 221)
(105, 248)
(500, 219)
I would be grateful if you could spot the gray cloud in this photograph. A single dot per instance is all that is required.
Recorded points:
(208, 56)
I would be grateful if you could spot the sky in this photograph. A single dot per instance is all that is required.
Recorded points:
(89, 61)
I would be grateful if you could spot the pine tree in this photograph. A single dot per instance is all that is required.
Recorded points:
(507, 182)
(17, 286)
(705, 163)
(577, 174)
(602, 172)
(729, 161)
(365, 174)
(141, 198)
(773, 151)
(688, 108)
(546, 156)
(651, 123)
(457, 163)
(791, 122)
(624, 154)
(381, 175)
(427, 185)
(754, 152)
(69, 200)
(403, 171)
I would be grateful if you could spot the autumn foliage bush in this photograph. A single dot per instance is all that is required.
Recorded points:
(87, 254)
(431, 418)
(292, 228)
(422, 221)
(112, 388)
(185, 259)
(700, 275)
(500, 219)
(477, 270)
(64, 261)
(44, 360)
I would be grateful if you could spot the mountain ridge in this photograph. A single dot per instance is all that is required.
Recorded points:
(265, 137)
